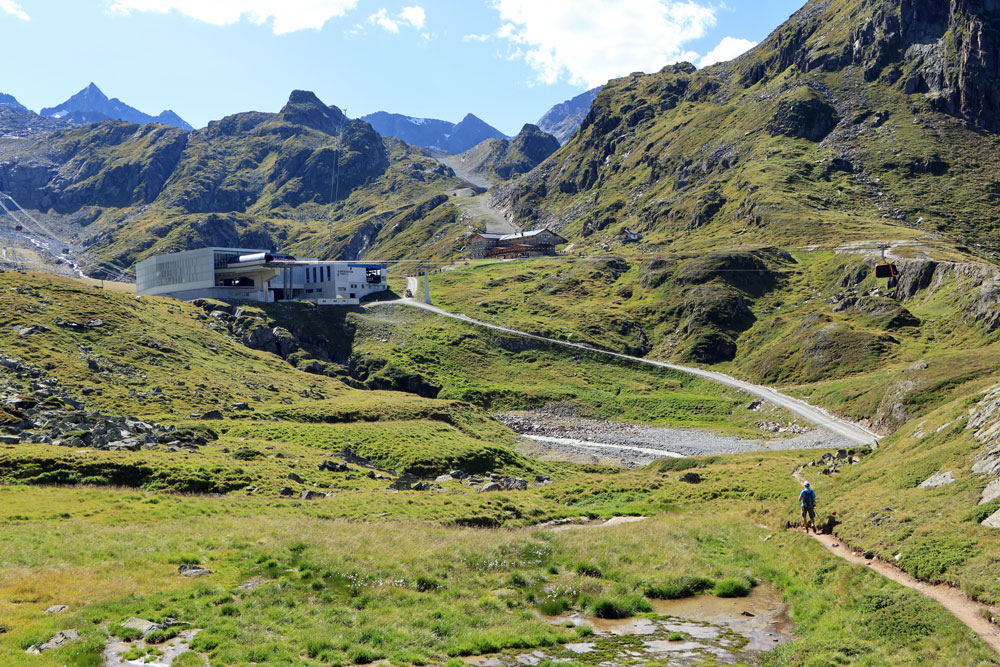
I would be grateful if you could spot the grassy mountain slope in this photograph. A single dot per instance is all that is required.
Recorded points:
(502, 159)
(837, 127)
(306, 180)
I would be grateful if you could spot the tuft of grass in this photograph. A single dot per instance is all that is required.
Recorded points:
(679, 587)
(732, 588)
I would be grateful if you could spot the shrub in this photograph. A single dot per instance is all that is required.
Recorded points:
(622, 607)
(732, 588)
(246, 454)
(424, 584)
(517, 580)
(126, 634)
(678, 587)
(675, 637)
(554, 606)
(588, 570)
(160, 636)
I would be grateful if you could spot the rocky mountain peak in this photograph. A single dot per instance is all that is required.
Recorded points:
(945, 50)
(91, 105)
(534, 144)
(304, 108)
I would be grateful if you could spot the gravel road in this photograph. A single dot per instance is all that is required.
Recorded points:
(845, 430)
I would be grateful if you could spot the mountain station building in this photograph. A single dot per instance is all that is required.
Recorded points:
(536, 243)
(257, 275)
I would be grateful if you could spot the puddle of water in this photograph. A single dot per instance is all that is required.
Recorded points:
(171, 650)
(581, 648)
(711, 628)
(768, 627)
(665, 646)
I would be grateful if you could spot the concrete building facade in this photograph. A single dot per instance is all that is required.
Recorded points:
(257, 275)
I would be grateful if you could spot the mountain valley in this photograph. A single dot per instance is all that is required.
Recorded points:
(512, 479)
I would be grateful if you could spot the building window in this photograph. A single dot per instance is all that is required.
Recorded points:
(352, 295)
(307, 275)
(328, 272)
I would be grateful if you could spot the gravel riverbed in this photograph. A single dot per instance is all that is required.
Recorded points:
(636, 445)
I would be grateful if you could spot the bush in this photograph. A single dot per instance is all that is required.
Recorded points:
(678, 587)
(588, 570)
(623, 607)
(126, 634)
(160, 636)
(517, 580)
(246, 454)
(732, 588)
(554, 606)
(424, 584)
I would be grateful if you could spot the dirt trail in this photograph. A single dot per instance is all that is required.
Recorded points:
(952, 599)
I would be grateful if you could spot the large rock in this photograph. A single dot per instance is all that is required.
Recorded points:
(193, 571)
(991, 492)
(992, 521)
(938, 479)
(142, 625)
(404, 482)
(54, 642)
(351, 456)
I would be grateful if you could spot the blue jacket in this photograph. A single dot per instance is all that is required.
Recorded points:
(808, 498)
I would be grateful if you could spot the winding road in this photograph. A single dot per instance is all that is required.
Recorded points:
(850, 431)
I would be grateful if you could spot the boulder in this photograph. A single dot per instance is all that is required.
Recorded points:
(56, 608)
(459, 474)
(441, 479)
(285, 491)
(193, 571)
(142, 625)
(490, 486)
(54, 642)
(311, 495)
(937, 479)
(992, 521)
(404, 482)
(331, 466)
(294, 477)
(991, 492)
(212, 414)
(690, 478)
(351, 456)
(514, 483)
(542, 479)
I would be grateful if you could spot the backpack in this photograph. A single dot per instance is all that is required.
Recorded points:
(808, 498)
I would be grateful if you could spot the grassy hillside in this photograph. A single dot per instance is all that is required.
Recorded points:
(306, 180)
(831, 130)
(816, 323)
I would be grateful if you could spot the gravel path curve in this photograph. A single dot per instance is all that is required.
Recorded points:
(843, 428)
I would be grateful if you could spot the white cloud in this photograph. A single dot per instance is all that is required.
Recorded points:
(728, 48)
(14, 9)
(590, 41)
(381, 18)
(414, 16)
(477, 38)
(287, 15)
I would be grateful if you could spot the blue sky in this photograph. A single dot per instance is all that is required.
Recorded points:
(507, 61)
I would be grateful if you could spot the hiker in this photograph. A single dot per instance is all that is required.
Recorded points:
(808, 500)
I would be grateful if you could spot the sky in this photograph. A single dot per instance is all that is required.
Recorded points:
(506, 61)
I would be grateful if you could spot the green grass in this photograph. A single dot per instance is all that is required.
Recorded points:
(324, 597)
